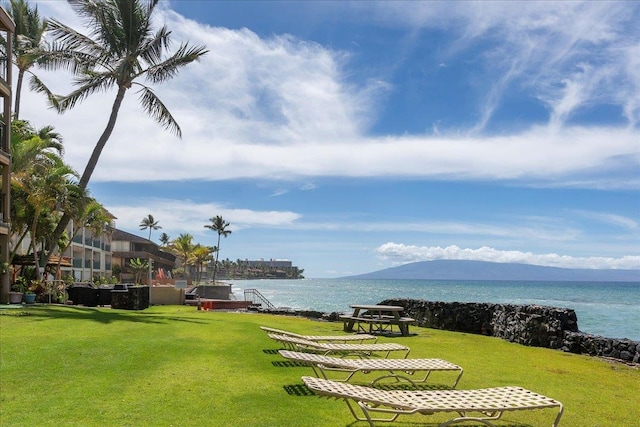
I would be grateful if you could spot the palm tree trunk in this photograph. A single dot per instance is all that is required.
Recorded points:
(16, 107)
(215, 263)
(91, 165)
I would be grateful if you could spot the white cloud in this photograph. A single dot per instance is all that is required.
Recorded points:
(609, 218)
(185, 216)
(286, 109)
(568, 53)
(402, 253)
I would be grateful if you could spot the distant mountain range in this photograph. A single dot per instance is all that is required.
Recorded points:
(482, 270)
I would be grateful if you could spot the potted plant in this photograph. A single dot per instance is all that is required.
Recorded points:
(29, 297)
(17, 290)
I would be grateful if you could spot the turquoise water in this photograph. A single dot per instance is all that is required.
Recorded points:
(610, 309)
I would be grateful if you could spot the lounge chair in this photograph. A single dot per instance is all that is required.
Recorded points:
(360, 350)
(400, 369)
(360, 338)
(480, 405)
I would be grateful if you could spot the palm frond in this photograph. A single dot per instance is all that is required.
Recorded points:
(72, 41)
(158, 111)
(169, 68)
(152, 48)
(90, 83)
(57, 58)
(36, 85)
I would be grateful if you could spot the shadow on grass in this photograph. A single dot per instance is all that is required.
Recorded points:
(270, 351)
(298, 390)
(100, 315)
(408, 386)
(288, 364)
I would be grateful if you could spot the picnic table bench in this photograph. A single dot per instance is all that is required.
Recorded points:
(376, 319)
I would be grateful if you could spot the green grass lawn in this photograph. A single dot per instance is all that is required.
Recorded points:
(176, 366)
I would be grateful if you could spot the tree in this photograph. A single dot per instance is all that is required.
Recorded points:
(123, 48)
(164, 239)
(202, 254)
(41, 184)
(32, 151)
(29, 43)
(183, 247)
(150, 223)
(218, 225)
(96, 220)
(139, 267)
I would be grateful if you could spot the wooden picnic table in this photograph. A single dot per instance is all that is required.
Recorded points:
(376, 319)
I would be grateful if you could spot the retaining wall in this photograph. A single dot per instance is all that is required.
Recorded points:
(532, 325)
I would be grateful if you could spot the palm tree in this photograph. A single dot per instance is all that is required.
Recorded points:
(164, 239)
(218, 225)
(150, 223)
(41, 183)
(44, 189)
(183, 247)
(123, 48)
(29, 43)
(201, 254)
(97, 220)
(139, 267)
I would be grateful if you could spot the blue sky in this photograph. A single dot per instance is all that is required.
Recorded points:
(354, 136)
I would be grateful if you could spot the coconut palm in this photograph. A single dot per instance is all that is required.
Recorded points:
(183, 247)
(96, 220)
(164, 239)
(44, 189)
(122, 49)
(218, 225)
(41, 183)
(29, 43)
(139, 267)
(150, 223)
(89, 213)
(202, 254)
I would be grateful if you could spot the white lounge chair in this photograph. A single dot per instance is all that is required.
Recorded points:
(360, 350)
(359, 338)
(400, 369)
(480, 405)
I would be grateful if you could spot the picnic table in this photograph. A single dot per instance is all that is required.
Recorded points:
(376, 319)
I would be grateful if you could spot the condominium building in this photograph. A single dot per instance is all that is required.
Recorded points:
(7, 29)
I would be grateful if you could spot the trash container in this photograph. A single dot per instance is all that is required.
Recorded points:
(104, 295)
(83, 294)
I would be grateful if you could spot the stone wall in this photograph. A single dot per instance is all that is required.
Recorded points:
(531, 325)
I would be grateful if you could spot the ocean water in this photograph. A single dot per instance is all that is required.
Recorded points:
(609, 309)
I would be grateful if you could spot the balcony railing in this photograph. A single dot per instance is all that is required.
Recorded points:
(2, 199)
(3, 61)
(3, 132)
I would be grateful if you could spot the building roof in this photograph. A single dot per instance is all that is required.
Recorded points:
(128, 237)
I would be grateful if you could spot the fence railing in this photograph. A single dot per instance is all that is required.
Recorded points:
(257, 298)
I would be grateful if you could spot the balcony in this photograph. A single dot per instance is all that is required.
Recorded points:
(3, 63)
(3, 132)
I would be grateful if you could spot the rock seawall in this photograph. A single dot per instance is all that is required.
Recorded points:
(531, 325)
